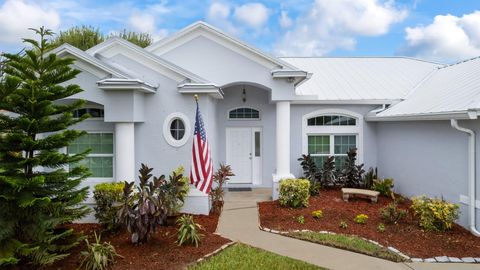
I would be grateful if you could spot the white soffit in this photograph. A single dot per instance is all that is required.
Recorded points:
(360, 78)
(451, 89)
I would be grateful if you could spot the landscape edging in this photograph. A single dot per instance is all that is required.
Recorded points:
(438, 259)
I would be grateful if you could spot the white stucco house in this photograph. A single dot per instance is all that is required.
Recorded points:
(415, 120)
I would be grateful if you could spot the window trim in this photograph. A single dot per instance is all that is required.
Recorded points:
(245, 119)
(334, 130)
(167, 135)
(91, 179)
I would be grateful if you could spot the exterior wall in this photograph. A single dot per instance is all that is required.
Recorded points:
(223, 66)
(297, 113)
(257, 99)
(427, 157)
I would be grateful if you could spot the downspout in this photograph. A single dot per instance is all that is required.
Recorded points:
(471, 173)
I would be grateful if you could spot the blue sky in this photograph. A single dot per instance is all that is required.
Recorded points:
(437, 30)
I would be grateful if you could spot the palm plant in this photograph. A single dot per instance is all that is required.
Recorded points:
(98, 256)
(188, 231)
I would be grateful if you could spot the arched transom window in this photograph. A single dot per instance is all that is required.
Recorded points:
(244, 113)
(93, 112)
(330, 133)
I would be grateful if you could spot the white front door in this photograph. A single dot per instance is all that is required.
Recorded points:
(244, 154)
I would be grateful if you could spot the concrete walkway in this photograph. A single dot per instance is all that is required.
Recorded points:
(239, 222)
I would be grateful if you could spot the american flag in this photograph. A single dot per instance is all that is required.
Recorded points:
(201, 172)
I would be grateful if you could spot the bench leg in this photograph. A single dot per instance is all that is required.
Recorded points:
(374, 199)
(345, 197)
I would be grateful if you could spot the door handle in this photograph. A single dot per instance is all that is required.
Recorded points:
(250, 156)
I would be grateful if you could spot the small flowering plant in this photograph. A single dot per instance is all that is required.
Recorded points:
(317, 214)
(361, 219)
(435, 214)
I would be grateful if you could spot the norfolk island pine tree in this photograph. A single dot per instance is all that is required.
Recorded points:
(38, 194)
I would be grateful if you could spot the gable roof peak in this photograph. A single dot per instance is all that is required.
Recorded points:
(222, 35)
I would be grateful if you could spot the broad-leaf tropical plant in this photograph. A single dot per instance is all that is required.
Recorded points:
(311, 173)
(143, 211)
(220, 178)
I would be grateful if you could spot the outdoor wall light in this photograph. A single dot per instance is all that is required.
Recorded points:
(244, 95)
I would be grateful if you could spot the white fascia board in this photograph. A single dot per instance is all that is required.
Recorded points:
(134, 84)
(192, 88)
(299, 76)
(461, 115)
(67, 48)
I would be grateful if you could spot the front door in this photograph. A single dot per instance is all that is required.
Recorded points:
(244, 154)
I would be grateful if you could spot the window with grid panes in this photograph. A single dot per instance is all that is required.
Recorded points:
(320, 147)
(100, 158)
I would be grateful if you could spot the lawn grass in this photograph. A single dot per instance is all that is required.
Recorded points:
(348, 242)
(241, 256)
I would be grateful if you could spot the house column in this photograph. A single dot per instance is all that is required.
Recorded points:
(283, 145)
(125, 152)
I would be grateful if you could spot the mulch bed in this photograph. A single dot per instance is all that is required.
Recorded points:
(405, 236)
(160, 252)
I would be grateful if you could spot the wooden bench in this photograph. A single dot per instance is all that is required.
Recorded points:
(366, 193)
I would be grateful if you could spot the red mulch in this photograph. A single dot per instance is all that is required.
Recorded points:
(405, 236)
(160, 252)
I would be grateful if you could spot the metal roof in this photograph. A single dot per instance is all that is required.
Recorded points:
(361, 78)
(449, 90)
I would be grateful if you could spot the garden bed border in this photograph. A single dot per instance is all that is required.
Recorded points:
(438, 259)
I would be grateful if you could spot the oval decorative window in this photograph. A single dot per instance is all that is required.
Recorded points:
(244, 113)
(332, 120)
(176, 129)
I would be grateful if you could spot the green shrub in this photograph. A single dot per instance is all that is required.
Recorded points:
(188, 231)
(384, 186)
(175, 190)
(343, 224)
(361, 219)
(294, 192)
(392, 214)
(220, 178)
(301, 219)
(98, 256)
(381, 227)
(318, 214)
(435, 214)
(106, 195)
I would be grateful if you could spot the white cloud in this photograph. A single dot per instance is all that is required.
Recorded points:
(146, 23)
(254, 15)
(329, 25)
(285, 21)
(218, 11)
(16, 16)
(447, 38)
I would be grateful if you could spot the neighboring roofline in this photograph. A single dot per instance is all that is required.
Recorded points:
(218, 32)
(67, 48)
(368, 57)
(169, 65)
(126, 84)
(461, 62)
(467, 115)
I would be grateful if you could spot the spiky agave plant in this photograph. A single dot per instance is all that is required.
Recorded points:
(188, 231)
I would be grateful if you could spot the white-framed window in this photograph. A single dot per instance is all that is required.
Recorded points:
(95, 113)
(176, 129)
(100, 159)
(332, 133)
(244, 113)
